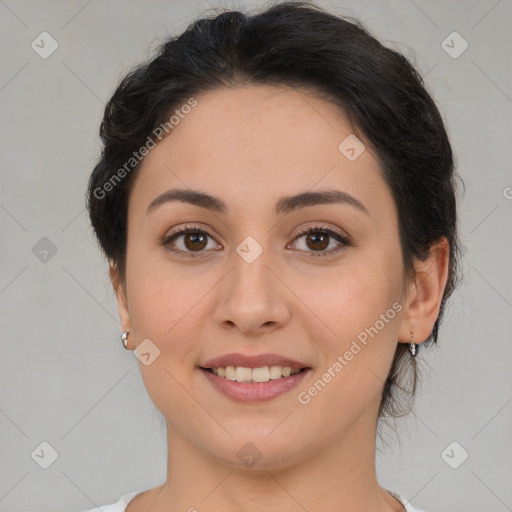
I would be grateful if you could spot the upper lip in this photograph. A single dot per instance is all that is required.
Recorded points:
(253, 361)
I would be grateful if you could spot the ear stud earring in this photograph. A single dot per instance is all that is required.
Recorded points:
(124, 339)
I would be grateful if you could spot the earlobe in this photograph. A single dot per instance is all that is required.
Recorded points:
(121, 296)
(423, 299)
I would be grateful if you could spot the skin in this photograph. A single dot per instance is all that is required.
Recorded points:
(250, 146)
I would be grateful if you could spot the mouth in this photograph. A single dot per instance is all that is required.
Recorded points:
(254, 385)
(257, 375)
(252, 378)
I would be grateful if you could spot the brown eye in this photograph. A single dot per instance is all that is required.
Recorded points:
(318, 239)
(194, 241)
(187, 241)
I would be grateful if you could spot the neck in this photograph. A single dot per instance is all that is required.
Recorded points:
(341, 476)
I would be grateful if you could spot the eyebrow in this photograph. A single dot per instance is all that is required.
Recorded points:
(285, 204)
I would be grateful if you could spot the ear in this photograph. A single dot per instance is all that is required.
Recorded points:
(122, 300)
(423, 298)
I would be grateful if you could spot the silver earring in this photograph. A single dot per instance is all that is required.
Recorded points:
(413, 349)
(124, 339)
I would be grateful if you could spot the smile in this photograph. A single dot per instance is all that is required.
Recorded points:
(261, 374)
(256, 384)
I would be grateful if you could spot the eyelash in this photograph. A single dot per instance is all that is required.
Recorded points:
(345, 241)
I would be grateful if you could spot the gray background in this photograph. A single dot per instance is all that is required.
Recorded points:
(65, 377)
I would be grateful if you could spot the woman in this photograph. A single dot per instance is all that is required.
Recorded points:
(276, 198)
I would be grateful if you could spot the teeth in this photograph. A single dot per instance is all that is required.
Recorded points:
(275, 372)
(230, 372)
(243, 374)
(262, 374)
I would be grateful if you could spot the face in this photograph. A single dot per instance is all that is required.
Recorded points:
(249, 279)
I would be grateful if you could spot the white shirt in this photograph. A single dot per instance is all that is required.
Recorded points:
(120, 506)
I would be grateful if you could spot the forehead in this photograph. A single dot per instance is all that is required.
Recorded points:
(249, 144)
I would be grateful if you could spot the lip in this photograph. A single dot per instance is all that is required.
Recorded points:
(253, 361)
(252, 392)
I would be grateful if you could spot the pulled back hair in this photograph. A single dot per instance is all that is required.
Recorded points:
(296, 44)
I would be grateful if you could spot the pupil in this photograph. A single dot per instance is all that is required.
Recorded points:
(194, 237)
(315, 243)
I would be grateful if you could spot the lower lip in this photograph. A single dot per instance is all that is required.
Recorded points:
(249, 392)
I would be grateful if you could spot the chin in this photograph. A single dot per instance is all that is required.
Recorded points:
(259, 451)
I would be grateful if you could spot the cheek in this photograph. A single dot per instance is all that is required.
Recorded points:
(162, 309)
(147, 306)
(156, 293)
(353, 298)
(358, 346)
(165, 305)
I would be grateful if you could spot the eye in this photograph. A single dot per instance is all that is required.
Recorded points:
(191, 240)
(319, 238)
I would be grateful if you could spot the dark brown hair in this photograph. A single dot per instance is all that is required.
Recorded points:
(301, 45)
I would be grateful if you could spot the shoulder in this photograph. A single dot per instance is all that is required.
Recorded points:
(407, 506)
(118, 506)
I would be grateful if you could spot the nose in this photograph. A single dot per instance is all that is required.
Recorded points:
(252, 299)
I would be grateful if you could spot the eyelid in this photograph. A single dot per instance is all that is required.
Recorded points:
(183, 230)
(342, 239)
(320, 227)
